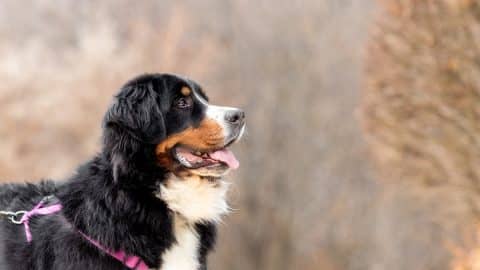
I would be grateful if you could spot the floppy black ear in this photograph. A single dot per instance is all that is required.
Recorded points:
(136, 111)
(133, 119)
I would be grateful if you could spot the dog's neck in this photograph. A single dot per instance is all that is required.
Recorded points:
(199, 202)
(197, 199)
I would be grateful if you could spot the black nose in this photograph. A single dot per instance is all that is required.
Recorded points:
(235, 117)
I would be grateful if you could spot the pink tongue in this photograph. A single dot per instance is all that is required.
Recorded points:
(226, 156)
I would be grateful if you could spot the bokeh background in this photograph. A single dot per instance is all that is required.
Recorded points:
(363, 146)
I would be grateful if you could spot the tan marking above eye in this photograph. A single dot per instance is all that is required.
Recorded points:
(185, 91)
(208, 135)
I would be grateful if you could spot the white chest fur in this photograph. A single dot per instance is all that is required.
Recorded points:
(197, 200)
(183, 255)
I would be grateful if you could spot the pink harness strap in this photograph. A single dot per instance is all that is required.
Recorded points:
(38, 210)
(132, 262)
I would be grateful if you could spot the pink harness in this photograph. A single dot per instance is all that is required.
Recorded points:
(132, 262)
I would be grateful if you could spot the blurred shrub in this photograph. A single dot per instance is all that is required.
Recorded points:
(421, 112)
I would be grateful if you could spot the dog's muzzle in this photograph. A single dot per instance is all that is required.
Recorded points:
(232, 120)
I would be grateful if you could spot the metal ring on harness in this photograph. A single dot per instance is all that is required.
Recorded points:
(17, 218)
(14, 217)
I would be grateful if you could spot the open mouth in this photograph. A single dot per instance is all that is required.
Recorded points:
(195, 159)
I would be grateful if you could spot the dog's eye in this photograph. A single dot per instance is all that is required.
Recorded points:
(183, 102)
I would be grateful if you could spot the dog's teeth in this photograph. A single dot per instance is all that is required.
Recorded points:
(198, 153)
(184, 160)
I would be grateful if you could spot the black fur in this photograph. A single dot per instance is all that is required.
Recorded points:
(110, 198)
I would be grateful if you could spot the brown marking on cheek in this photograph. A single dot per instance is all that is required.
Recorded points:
(185, 91)
(166, 161)
(208, 135)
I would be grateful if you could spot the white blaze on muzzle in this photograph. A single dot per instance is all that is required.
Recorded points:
(220, 114)
(229, 118)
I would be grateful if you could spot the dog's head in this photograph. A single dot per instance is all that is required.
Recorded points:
(167, 120)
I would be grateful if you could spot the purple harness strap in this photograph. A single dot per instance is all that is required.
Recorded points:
(132, 262)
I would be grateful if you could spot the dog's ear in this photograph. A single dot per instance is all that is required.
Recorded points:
(134, 119)
(136, 111)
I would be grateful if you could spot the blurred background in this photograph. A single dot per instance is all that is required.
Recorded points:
(362, 149)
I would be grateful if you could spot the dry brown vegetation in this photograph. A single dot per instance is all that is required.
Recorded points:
(421, 113)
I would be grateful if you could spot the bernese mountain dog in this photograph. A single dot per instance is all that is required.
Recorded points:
(150, 199)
